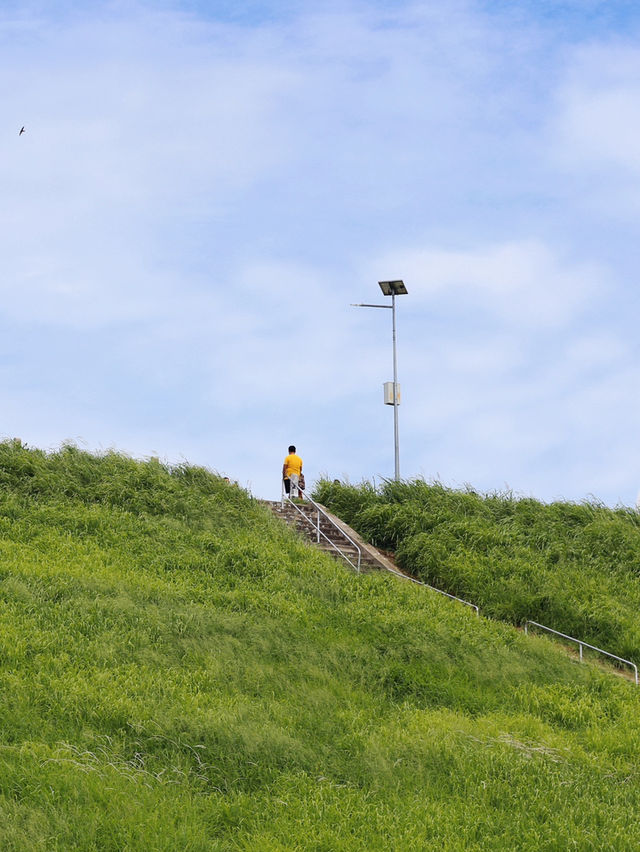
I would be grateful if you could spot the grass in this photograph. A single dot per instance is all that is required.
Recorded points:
(573, 567)
(180, 671)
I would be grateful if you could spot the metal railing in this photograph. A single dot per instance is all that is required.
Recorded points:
(583, 645)
(319, 511)
(433, 589)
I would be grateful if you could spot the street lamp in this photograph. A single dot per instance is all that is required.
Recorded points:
(393, 289)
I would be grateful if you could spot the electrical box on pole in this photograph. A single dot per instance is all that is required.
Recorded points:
(388, 393)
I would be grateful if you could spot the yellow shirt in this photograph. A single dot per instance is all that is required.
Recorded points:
(292, 464)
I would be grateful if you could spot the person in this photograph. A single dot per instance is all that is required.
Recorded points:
(291, 472)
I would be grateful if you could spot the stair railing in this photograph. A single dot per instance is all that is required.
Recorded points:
(320, 512)
(583, 645)
(402, 576)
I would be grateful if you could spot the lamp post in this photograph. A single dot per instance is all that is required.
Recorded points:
(393, 289)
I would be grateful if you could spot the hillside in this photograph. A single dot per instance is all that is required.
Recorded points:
(180, 672)
(573, 567)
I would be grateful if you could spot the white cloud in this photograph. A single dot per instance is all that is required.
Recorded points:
(524, 282)
(598, 121)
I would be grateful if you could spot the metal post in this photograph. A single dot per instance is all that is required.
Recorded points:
(395, 391)
(393, 289)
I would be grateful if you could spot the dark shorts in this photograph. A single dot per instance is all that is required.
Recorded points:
(287, 485)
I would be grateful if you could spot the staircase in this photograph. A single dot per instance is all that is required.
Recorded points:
(343, 543)
(335, 537)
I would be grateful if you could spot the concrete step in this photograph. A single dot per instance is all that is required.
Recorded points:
(304, 519)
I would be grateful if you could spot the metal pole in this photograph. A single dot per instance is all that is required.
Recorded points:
(395, 392)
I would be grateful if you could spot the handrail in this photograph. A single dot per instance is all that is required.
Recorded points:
(583, 644)
(433, 589)
(320, 511)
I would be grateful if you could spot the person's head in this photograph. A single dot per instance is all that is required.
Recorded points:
(292, 449)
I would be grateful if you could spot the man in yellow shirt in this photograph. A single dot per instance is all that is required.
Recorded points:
(291, 471)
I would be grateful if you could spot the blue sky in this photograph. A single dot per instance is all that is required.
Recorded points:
(204, 188)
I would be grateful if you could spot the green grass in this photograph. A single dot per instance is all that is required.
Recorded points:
(178, 671)
(573, 567)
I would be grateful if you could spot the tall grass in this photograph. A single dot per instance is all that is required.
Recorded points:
(179, 671)
(574, 567)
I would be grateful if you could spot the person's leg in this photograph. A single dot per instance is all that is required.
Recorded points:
(287, 485)
(294, 484)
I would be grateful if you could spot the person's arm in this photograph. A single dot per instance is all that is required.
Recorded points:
(284, 467)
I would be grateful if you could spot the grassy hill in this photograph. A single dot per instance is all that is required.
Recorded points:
(180, 672)
(573, 567)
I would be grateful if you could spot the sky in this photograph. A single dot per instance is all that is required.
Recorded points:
(203, 189)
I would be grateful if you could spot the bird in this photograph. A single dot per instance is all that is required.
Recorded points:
(21, 131)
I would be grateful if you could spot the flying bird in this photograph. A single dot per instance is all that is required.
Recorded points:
(21, 131)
